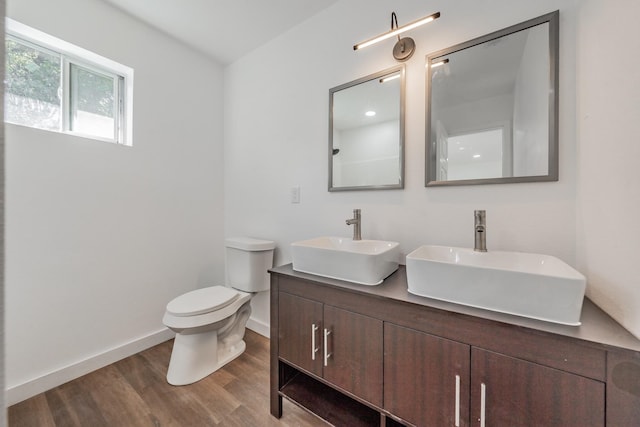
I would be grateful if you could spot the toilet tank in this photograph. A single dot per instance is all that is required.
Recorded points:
(247, 261)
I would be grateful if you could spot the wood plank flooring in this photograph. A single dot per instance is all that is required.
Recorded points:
(134, 392)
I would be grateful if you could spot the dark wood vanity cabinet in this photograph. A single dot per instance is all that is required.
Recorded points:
(298, 338)
(426, 378)
(342, 347)
(510, 392)
(393, 359)
(354, 349)
(433, 381)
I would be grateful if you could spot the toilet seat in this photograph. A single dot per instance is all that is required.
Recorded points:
(180, 322)
(202, 301)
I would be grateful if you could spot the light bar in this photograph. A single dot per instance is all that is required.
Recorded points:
(391, 77)
(397, 31)
(439, 63)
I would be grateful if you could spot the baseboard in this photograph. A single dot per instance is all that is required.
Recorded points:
(259, 327)
(53, 379)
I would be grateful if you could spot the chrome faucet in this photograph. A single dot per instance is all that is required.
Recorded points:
(356, 222)
(480, 231)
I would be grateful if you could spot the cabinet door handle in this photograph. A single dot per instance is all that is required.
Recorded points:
(327, 355)
(457, 401)
(314, 349)
(483, 404)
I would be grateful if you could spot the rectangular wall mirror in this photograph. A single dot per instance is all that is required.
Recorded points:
(492, 107)
(366, 132)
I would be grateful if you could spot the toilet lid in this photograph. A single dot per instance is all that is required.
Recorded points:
(202, 301)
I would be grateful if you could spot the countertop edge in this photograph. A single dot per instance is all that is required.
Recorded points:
(597, 326)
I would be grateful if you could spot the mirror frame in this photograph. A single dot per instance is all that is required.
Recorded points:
(554, 40)
(378, 75)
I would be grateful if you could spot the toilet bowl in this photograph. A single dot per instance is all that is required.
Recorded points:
(210, 322)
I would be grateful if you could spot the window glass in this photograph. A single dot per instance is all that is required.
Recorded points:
(55, 85)
(92, 102)
(32, 86)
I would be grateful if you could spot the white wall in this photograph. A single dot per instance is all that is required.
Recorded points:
(608, 219)
(100, 237)
(494, 159)
(368, 155)
(3, 414)
(531, 107)
(276, 115)
(477, 115)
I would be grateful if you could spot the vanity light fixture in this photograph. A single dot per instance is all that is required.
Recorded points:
(389, 78)
(405, 46)
(440, 63)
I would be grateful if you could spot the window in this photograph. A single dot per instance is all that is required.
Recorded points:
(54, 85)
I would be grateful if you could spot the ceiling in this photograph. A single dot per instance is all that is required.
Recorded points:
(223, 29)
(351, 103)
(482, 71)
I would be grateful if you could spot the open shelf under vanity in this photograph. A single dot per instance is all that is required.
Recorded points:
(328, 404)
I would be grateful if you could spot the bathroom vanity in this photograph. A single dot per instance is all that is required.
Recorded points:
(379, 356)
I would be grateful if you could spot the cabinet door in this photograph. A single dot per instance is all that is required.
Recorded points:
(300, 332)
(355, 347)
(512, 392)
(426, 378)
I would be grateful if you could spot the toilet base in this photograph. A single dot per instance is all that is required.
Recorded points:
(197, 355)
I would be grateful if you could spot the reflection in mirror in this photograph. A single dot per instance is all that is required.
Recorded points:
(366, 132)
(493, 105)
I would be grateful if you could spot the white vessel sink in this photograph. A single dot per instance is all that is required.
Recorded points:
(536, 286)
(367, 262)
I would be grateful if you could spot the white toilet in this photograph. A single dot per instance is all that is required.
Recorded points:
(210, 322)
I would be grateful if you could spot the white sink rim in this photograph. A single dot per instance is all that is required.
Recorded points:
(365, 262)
(540, 287)
(530, 263)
